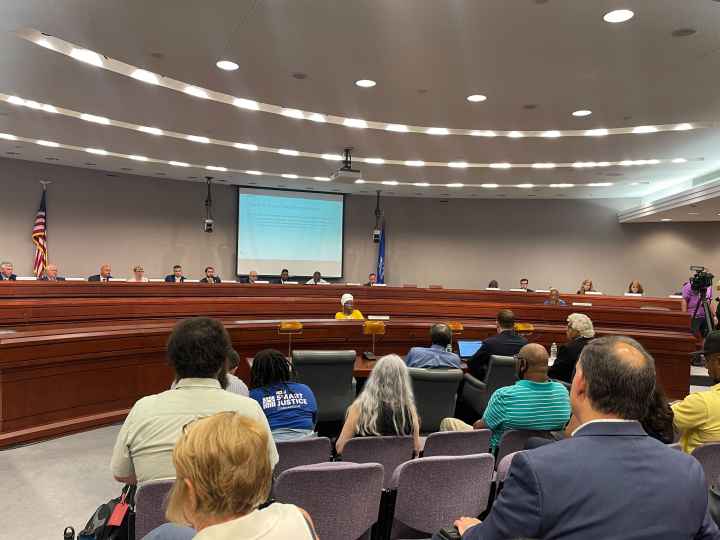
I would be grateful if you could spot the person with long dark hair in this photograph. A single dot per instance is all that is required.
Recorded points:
(290, 407)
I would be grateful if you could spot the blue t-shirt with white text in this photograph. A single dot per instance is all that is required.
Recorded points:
(287, 405)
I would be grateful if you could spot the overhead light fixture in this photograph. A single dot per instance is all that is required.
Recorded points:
(293, 113)
(151, 130)
(666, 219)
(399, 128)
(500, 165)
(516, 134)
(437, 131)
(291, 176)
(489, 186)
(254, 173)
(562, 185)
(87, 56)
(543, 165)
(96, 151)
(355, 123)
(332, 157)
(198, 139)
(603, 164)
(288, 152)
(227, 65)
(421, 184)
(415, 163)
(483, 133)
(390, 182)
(581, 113)
(245, 146)
(618, 16)
(627, 162)
(458, 164)
(8, 137)
(179, 163)
(375, 161)
(15, 100)
(645, 129)
(598, 132)
(49, 108)
(683, 127)
(138, 158)
(321, 178)
(45, 43)
(600, 184)
(195, 91)
(145, 76)
(33, 104)
(317, 117)
(652, 161)
(365, 83)
(551, 134)
(246, 104)
(216, 168)
(359, 181)
(95, 119)
(455, 185)
(526, 186)
(693, 213)
(476, 98)
(51, 144)
(679, 160)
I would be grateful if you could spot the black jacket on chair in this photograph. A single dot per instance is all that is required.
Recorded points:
(567, 356)
(507, 343)
(98, 277)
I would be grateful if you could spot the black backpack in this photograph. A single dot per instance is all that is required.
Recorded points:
(114, 520)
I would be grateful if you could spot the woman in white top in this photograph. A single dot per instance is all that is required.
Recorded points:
(230, 446)
(138, 275)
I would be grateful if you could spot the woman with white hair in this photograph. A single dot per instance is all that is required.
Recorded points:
(386, 406)
(580, 332)
(348, 308)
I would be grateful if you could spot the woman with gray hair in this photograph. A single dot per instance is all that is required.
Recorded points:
(386, 406)
(580, 332)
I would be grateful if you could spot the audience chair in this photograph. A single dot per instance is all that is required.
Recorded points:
(514, 440)
(708, 455)
(150, 500)
(330, 376)
(342, 498)
(435, 395)
(457, 443)
(432, 492)
(476, 393)
(306, 451)
(390, 452)
(504, 467)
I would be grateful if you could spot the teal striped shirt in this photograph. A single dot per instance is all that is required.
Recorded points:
(527, 405)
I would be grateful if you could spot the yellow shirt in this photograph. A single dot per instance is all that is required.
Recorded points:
(354, 315)
(698, 418)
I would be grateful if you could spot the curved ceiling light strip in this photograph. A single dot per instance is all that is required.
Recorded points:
(10, 137)
(151, 130)
(90, 57)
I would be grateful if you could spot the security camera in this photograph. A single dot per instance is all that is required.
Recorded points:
(208, 225)
(376, 236)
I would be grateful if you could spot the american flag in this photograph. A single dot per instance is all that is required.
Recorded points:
(39, 238)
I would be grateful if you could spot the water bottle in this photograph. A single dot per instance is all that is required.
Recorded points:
(553, 352)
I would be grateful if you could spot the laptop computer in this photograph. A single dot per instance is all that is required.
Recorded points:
(468, 347)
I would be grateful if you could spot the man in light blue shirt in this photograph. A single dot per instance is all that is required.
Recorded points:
(435, 356)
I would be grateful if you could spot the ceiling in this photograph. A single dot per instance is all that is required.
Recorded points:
(536, 61)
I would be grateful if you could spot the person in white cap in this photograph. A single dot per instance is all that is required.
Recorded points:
(348, 311)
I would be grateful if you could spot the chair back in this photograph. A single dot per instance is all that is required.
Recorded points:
(504, 467)
(501, 372)
(514, 440)
(330, 376)
(305, 451)
(390, 452)
(435, 395)
(433, 491)
(150, 502)
(342, 498)
(457, 443)
(708, 455)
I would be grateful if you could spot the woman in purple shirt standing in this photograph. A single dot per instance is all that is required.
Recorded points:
(691, 304)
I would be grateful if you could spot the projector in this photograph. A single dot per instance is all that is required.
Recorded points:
(345, 175)
(208, 225)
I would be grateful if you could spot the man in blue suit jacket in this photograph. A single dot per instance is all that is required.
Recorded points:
(610, 480)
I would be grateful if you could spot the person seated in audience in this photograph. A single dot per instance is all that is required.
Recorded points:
(659, 420)
(176, 276)
(224, 476)
(579, 333)
(554, 299)
(524, 283)
(372, 279)
(316, 279)
(385, 407)
(348, 308)
(105, 274)
(635, 287)
(197, 350)
(697, 417)
(533, 402)
(138, 275)
(227, 379)
(610, 479)
(51, 274)
(210, 276)
(284, 277)
(493, 284)
(506, 343)
(586, 286)
(290, 407)
(437, 355)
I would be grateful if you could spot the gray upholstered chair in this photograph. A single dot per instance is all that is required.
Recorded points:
(435, 395)
(329, 374)
(514, 440)
(457, 443)
(305, 451)
(342, 498)
(476, 393)
(432, 492)
(150, 499)
(504, 467)
(708, 455)
(390, 452)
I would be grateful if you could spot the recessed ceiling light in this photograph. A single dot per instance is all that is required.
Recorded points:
(227, 65)
(179, 163)
(600, 184)
(551, 134)
(151, 130)
(421, 184)
(437, 131)
(138, 158)
(97, 151)
(458, 164)
(33, 104)
(683, 127)
(291, 176)
(254, 173)
(246, 104)
(390, 182)
(666, 219)
(652, 161)
(355, 123)
(399, 128)
(8, 137)
(321, 178)
(198, 139)
(288, 152)
(476, 98)
(562, 185)
(543, 165)
(195, 91)
(317, 117)
(244, 146)
(365, 83)
(415, 163)
(49, 108)
(216, 168)
(581, 113)
(644, 129)
(500, 165)
(45, 43)
(599, 132)
(51, 144)
(455, 185)
(95, 119)
(516, 134)
(489, 186)
(293, 113)
(483, 133)
(627, 162)
(618, 16)
(87, 56)
(332, 157)
(359, 181)
(16, 100)
(693, 213)
(374, 160)
(603, 164)
(145, 76)
(679, 160)
(526, 186)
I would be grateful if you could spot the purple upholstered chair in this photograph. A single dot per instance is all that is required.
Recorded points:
(434, 491)
(514, 440)
(390, 452)
(306, 451)
(708, 455)
(342, 498)
(150, 505)
(504, 467)
(457, 443)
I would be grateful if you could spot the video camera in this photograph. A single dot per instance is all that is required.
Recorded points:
(701, 280)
